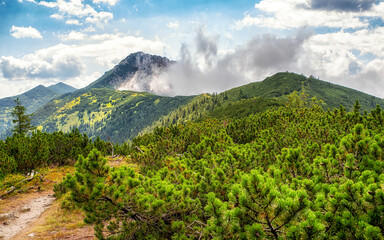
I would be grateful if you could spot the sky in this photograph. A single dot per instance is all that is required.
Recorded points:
(218, 44)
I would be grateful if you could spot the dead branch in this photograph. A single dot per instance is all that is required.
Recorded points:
(138, 149)
(8, 192)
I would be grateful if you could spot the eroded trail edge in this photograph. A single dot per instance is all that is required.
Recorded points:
(20, 218)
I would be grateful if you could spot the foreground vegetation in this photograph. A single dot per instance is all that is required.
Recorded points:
(297, 172)
(23, 153)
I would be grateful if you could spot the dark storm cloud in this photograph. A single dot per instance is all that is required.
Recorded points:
(343, 5)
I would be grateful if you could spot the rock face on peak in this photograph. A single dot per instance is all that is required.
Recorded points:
(137, 72)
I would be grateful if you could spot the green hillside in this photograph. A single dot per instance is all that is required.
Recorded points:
(287, 173)
(32, 100)
(118, 115)
(285, 83)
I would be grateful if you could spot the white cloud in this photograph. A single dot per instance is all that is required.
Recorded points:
(339, 57)
(76, 9)
(57, 16)
(99, 18)
(10, 88)
(173, 25)
(110, 2)
(73, 22)
(89, 29)
(288, 14)
(21, 1)
(73, 35)
(25, 32)
(42, 64)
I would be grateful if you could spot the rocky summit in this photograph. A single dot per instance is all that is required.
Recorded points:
(136, 72)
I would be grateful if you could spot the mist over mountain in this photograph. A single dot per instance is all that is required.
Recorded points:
(137, 72)
(202, 68)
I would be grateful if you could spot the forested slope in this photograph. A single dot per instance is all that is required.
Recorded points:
(296, 172)
(118, 115)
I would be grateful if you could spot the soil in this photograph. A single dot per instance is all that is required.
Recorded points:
(24, 215)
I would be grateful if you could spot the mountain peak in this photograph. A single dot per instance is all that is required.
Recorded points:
(62, 88)
(135, 72)
(143, 61)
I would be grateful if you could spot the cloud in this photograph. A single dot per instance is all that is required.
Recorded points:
(173, 25)
(25, 32)
(290, 14)
(77, 64)
(206, 47)
(110, 2)
(10, 88)
(73, 22)
(99, 18)
(57, 16)
(261, 56)
(336, 57)
(21, 1)
(73, 35)
(341, 58)
(75, 10)
(48, 65)
(343, 5)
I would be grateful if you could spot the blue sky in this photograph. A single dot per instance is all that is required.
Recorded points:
(229, 43)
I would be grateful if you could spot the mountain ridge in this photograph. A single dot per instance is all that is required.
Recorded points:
(32, 99)
(132, 73)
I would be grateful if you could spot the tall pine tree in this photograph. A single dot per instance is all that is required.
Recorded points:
(22, 120)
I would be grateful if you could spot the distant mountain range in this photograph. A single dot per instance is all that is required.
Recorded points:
(32, 100)
(107, 109)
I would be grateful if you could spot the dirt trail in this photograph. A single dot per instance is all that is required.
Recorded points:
(23, 215)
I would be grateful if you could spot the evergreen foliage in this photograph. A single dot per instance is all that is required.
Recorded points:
(22, 121)
(297, 172)
(21, 153)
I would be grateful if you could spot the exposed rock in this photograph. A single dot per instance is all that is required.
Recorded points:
(7, 216)
(136, 72)
(25, 209)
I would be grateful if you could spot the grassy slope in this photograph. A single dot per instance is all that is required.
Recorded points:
(119, 115)
(32, 100)
(285, 83)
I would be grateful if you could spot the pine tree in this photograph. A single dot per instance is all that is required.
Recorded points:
(22, 120)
